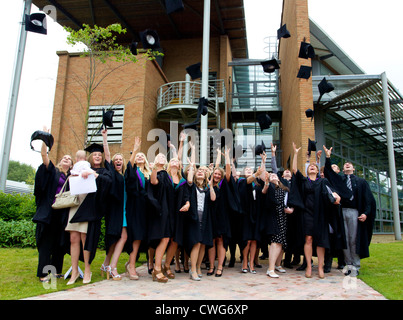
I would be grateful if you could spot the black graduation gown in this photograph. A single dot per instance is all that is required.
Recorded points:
(323, 209)
(226, 205)
(268, 223)
(115, 204)
(181, 193)
(193, 231)
(251, 209)
(139, 201)
(365, 204)
(160, 222)
(46, 182)
(93, 209)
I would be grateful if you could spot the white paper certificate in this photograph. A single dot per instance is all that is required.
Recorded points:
(79, 185)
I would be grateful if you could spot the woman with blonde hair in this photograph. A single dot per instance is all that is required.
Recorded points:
(198, 223)
(160, 218)
(181, 206)
(137, 178)
(224, 188)
(115, 218)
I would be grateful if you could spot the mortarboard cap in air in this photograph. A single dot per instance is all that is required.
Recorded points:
(46, 137)
(283, 32)
(270, 66)
(194, 71)
(304, 72)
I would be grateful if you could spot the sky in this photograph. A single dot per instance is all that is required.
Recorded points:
(369, 31)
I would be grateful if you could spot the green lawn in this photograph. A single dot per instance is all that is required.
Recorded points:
(383, 271)
(18, 272)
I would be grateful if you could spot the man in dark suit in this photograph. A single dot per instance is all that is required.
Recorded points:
(358, 208)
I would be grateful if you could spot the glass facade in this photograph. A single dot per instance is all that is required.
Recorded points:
(254, 92)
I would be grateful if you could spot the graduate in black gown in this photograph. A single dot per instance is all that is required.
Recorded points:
(138, 204)
(90, 211)
(181, 205)
(115, 217)
(318, 197)
(250, 193)
(358, 210)
(227, 203)
(52, 240)
(198, 232)
(160, 228)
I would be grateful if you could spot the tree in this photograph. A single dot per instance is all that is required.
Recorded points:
(21, 172)
(100, 46)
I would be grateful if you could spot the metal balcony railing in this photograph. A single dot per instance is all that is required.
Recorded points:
(180, 99)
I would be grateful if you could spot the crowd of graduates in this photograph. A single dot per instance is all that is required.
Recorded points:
(195, 214)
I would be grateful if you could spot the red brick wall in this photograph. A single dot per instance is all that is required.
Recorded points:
(296, 94)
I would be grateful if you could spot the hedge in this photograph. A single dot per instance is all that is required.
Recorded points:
(19, 233)
(17, 206)
(16, 226)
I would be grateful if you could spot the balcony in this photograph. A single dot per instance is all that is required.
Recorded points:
(178, 101)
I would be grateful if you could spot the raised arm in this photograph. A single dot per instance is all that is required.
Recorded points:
(44, 151)
(191, 161)
(105, 143)
(212, 192)
(295, 158)
(137, 144)
(228, 169)
(273, 158)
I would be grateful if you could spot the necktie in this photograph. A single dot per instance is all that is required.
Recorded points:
(349, 185)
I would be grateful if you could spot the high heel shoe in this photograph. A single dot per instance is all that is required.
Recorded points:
(218, 275)
(167, 272)
(131, 277)
(89, 280)
(161, 279)
(195, 278)
(114, 277)
(104, 269)
(73, 280)
(212, 272)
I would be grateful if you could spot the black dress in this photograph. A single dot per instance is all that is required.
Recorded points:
(281, 218)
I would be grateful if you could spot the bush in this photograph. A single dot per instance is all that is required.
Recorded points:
(17, 234)
(17, 206)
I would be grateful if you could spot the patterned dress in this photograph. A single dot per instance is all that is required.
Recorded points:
(281, 219)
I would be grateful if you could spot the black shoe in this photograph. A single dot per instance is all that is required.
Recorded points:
(211, 273)
(326, 269)
(287, 265)
(263, 257)
(219, 275)
(231, 263)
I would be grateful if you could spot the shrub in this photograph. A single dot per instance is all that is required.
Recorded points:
(17, 234)
(17, 206)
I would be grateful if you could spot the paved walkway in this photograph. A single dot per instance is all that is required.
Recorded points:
(233, 285)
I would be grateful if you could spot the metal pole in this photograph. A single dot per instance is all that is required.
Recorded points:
(205, 77)
(391, 157)
(10, 116)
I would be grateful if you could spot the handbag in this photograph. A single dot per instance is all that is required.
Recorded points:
(64, 199)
